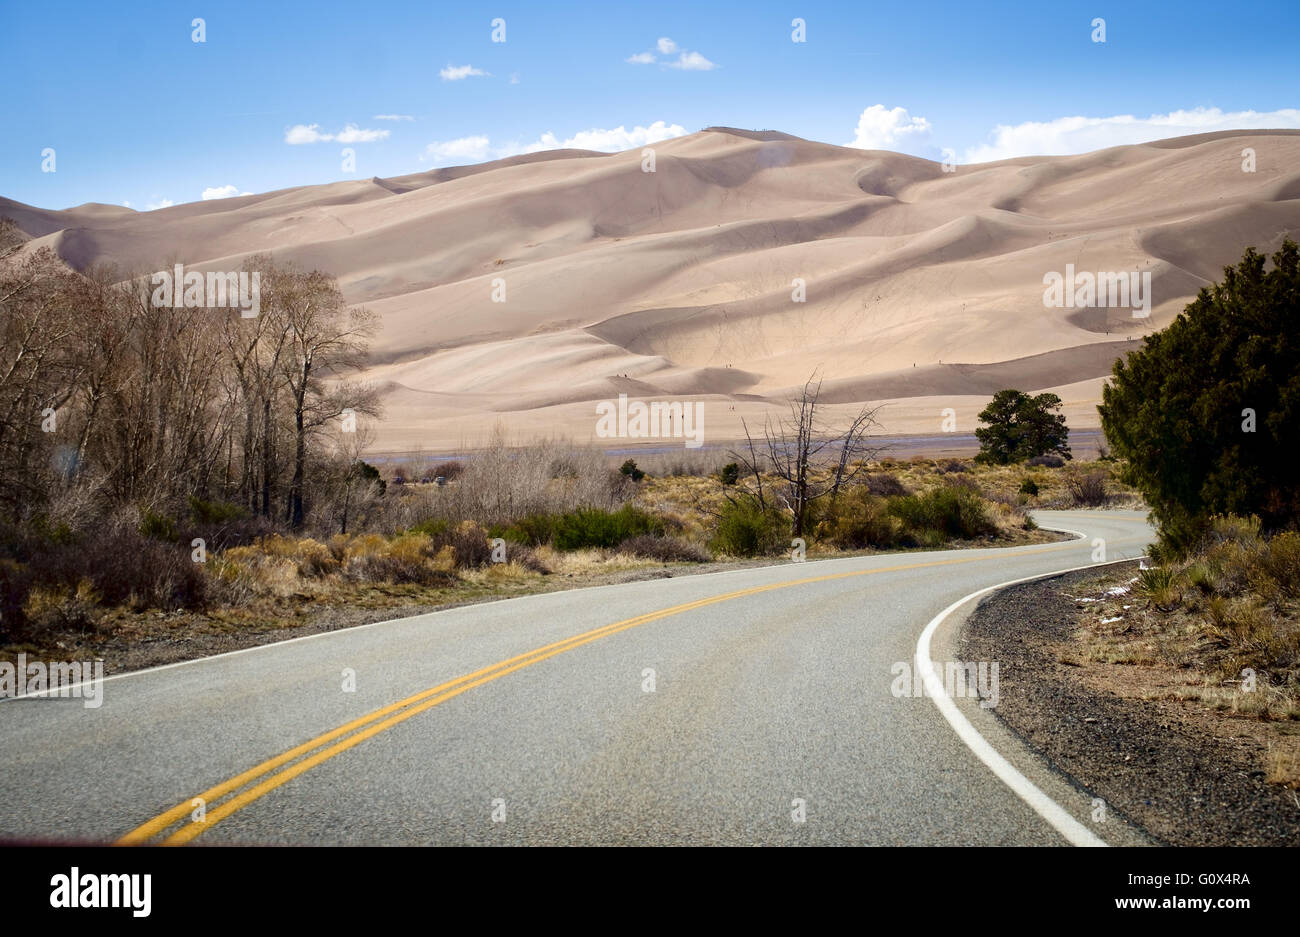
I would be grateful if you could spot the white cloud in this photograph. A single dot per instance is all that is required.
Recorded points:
(479, 148)
(310, 133)
(609, 141)
(1070, 135)
(692, 62)
(222, 191)
(393, 117)
(457, 72)
(464, 149)
(125, 203)
(162, 203)
(354, 134)
(880, 128)
(686, 61)
(305, 133)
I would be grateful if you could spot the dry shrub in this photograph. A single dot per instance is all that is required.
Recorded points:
(241, 574)
(1281, 563)
(408, 558)
(857, 520)
(469, 544)
(526, 557)
(1087, 489)
(883, 484)
(503, 483)
(1046, 461)
(314, 559)
(125, 568)
(665, 549)
(61, 608)
(448, 471)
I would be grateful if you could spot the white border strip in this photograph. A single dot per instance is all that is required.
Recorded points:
(1074, 831)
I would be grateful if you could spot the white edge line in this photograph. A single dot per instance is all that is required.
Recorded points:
(1074, 831)
(514, 598)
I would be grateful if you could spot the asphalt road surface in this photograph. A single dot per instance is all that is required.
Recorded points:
(753, 706)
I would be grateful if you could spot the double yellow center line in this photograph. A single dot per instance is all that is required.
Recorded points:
(336, 741)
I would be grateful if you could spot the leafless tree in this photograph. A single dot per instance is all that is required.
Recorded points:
(810, 460)
(323, 337)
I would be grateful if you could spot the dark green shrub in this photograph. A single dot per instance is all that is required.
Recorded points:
(858, 519)
(1029, 487)
(951, 512)
(745, 529)
(157, 526)
(629, 469)
(593, 527)
(1204, 413)
(533, 530)
(214, 512)
(434, 527)
(730, 474)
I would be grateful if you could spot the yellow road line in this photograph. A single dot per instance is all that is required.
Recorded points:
(426, 699)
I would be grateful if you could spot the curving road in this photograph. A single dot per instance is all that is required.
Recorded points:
(769, 718)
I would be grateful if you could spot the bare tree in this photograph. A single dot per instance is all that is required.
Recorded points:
(811, 461)
(323, 338)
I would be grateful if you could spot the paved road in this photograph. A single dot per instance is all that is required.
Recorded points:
(770, 685)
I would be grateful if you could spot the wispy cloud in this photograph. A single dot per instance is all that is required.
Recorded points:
(692, 62)
(457, 72)
(479, 148)
(311, 133)
(686, 60)
(222, 191)
(464, 149)
(1071, 135)
(161, 203)
(393, 117)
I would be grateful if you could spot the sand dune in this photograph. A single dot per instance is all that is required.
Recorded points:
(922, 288)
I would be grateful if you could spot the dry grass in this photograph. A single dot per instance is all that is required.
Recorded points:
(1227, 616)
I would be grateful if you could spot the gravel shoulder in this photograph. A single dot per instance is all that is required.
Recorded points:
(1180, 770)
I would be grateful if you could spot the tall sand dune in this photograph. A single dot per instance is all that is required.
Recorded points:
(920, 288)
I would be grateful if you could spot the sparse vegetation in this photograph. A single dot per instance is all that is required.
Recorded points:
(1087, 488)
(1229, 611)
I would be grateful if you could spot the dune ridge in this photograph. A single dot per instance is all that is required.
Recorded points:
(922, 288)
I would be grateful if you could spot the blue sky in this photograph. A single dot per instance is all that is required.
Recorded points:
(137, 112)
